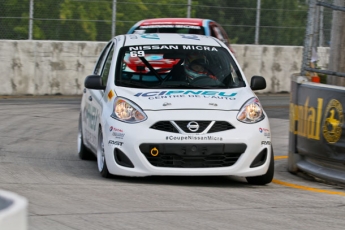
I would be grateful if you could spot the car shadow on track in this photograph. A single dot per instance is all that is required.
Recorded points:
(199, 181)
(190, 181)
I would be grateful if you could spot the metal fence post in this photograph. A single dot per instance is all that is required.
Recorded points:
(257, 23)
(308, 37)
(316, 29)
(189, 6)
(113, 21)
(31, 18)
(321, 42)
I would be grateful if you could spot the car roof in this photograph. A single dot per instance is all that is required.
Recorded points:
(188, 21)
(176, 39)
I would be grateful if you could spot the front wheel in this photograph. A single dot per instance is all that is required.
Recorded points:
(266, 178)
(101, 162)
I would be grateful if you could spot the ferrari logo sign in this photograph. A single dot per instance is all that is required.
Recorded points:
(334, 119)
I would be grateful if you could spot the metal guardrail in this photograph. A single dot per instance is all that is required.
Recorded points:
(327, 72)
(331, 6)
(316, 143)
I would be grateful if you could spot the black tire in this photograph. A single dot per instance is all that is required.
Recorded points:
(83, 152)
(266, 178)
(101, 162)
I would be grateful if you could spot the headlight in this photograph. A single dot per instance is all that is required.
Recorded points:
(251, 111)
(126, 111)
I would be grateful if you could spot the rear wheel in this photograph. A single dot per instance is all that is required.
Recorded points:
(266, 178)
(101, 162)
(83, 152)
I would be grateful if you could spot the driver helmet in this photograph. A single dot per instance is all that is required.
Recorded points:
(195, 66)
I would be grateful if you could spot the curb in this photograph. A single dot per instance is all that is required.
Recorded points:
(13, 211)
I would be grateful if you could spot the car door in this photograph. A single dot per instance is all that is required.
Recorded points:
(92, 101)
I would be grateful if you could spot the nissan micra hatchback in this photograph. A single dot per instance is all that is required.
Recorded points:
(174, 104)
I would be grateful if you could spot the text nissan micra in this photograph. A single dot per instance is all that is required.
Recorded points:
(174, 105)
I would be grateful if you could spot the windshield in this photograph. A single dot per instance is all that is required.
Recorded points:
(177, 66)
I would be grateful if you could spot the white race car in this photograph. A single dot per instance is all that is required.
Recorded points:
(174, 105)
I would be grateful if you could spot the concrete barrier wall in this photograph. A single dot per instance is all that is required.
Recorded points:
(46, 67)
(60, 67)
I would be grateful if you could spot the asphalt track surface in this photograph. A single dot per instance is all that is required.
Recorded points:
(38, 160)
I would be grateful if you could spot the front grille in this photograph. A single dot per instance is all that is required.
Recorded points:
(164, 126)
(220, 126)
(167, 126)
(192, 155)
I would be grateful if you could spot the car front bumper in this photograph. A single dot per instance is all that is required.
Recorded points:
(155, 152)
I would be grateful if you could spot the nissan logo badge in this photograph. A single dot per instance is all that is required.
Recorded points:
(193, 126)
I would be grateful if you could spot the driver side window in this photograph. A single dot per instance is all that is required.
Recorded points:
(106, 68)
(98, 67)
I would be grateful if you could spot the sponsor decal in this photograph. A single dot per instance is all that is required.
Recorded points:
(265, 131)
(187, 93)
(156, 26)
(150, 36)
(154, 47)
(173, 47)
(118, 135)
(111, 94)
(333, 122)
(306, 121)
(170, 26)
(265, 143)
(307, 118)
(111, 128)
(191, 36)
(117, 143)
(193, 138)
(90, 115)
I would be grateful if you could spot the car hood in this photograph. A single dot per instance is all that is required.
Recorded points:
(170, 99)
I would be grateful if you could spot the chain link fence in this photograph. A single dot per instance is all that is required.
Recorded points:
(324, 57)
(269, 22)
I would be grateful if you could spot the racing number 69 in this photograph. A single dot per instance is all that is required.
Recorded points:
(137, 53)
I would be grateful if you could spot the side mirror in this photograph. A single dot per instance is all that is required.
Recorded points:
(257, 83)
(93, 82)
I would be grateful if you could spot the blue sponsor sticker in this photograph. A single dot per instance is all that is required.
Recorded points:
(190, 36)
(185, 92)
(150, 36)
